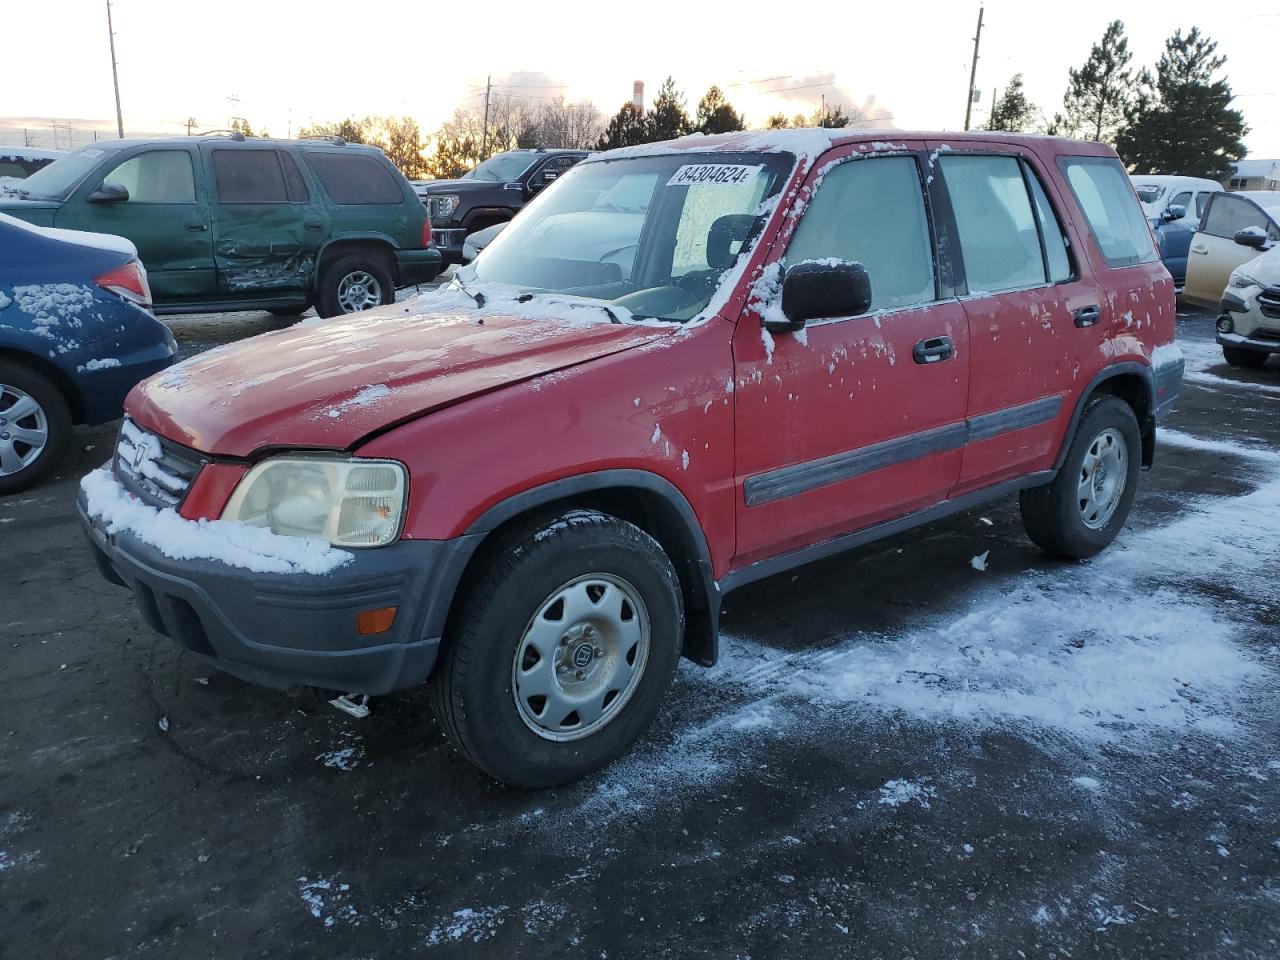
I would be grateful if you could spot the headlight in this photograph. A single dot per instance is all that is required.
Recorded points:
(350, 503)
(443, 206)
(1239, 279)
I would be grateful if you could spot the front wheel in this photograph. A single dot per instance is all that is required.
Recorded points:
(562, 651)
(1244, 357)
(353, 283)
(1086, 505)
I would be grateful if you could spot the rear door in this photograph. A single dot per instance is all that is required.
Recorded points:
(846, 423)
(267, 227)
(1034, 316)
(166, 216)
(1214, 252)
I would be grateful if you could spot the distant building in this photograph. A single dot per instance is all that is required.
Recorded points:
(1254, 175)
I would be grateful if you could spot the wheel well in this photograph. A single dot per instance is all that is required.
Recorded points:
(341, 248)
(1132, 389)
(653, 514)
(66, 386)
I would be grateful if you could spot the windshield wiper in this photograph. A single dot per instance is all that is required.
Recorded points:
(473, 294)
(574, 301)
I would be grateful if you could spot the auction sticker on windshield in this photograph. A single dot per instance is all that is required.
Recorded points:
(720, 174)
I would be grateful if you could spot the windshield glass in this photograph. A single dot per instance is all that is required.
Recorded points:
(652, 234)
(58, 179)
(1149, 193)
(503, 166)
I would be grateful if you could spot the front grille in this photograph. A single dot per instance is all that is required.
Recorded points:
(1269, 302)
(156, 471)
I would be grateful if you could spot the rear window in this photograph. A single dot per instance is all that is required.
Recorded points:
(1115, 219)
(249, 176)
(349, 178)
(1229, 215)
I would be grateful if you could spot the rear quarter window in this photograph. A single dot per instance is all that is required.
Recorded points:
(351, 179)
(1103, 191)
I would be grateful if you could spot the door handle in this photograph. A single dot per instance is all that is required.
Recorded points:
(933, 350)
(195, 226)
(1087, 316)
(313, 224)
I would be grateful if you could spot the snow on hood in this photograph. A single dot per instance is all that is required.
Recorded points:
(328, 384)
(1265, 268)
(82, 238)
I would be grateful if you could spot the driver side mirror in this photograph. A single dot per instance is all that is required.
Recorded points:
(1174, 212)
(544, 179)
(1251, 237)
(109, 192)
(817, 289)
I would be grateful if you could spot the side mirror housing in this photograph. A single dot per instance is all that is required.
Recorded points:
(1174, 212)
(109, 192)
(1251, 237)
(817, 289)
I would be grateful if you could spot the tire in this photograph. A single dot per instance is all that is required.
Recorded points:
(510, 609)
(362, 271)
(1056, 517)
(1244, 357)
(23, 463)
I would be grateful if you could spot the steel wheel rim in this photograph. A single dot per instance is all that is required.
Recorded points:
(24, 430)
(1103, 476)
(581, 657)
(359, 290)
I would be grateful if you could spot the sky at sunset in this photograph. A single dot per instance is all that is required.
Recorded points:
(288, 64)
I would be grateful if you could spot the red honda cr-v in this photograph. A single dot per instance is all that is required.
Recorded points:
(684, 367)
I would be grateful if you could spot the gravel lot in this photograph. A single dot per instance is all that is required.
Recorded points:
(899, 756)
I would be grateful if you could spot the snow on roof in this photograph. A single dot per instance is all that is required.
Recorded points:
(1266, 199)
(1257, 168)
(1171, 179)
(31, 153)
(82, 238)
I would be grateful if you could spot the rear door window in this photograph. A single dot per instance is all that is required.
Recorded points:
(157, 176)
(999, 232)
(1057, 260)
(1112, 211)
(249, 176)
(351, 178)
(872, 212)
(1182, 200)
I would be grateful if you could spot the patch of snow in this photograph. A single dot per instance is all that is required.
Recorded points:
(684, 459)
(236, 544)
(106, 363)
(4, 300)
(326, 901)
(980, 561)
(52, 303)
(897, 792)
(365, 397)
(1087, 783)
(476, 925)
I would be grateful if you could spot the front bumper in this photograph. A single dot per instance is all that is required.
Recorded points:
(1249, 343)
(285, 630)
(418, 266)
(449, 241)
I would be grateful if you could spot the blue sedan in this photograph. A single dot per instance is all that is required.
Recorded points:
(76, 334)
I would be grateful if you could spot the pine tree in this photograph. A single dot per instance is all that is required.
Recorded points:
(716, 114)
(1101, 91)
(1013, 112)
(1181, 121)
(668, 118)
(626, 129)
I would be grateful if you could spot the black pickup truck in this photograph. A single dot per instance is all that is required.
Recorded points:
(493, 192)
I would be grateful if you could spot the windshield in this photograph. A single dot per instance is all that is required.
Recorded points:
(58, 179)
(1148, 193)
(652, 234)
(502, 167)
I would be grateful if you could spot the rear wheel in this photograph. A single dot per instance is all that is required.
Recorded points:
(356, 282)
(562, 650)
(1244, 357)
(35, 426)
(1086, 505)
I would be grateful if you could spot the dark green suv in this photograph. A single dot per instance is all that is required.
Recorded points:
(235, 223)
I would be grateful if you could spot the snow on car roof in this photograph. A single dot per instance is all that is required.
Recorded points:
(99, 241)
(1171, 179)
(31, 153)
(1268, 200)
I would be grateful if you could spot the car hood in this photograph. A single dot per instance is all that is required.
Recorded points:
(329, 384)
(1265, 268)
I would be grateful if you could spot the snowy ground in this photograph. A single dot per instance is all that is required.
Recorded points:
(901, 754)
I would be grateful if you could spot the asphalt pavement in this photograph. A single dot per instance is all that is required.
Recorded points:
(942, 745)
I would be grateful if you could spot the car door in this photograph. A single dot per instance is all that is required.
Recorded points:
(1034, 318)
(1214, 252)
(166, 215)
(853, 420)
(267, 226)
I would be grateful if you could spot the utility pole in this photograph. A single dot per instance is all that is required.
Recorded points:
(824, 109)
(115, 76)
(973, 70)
(191, 122)
(484, 137)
